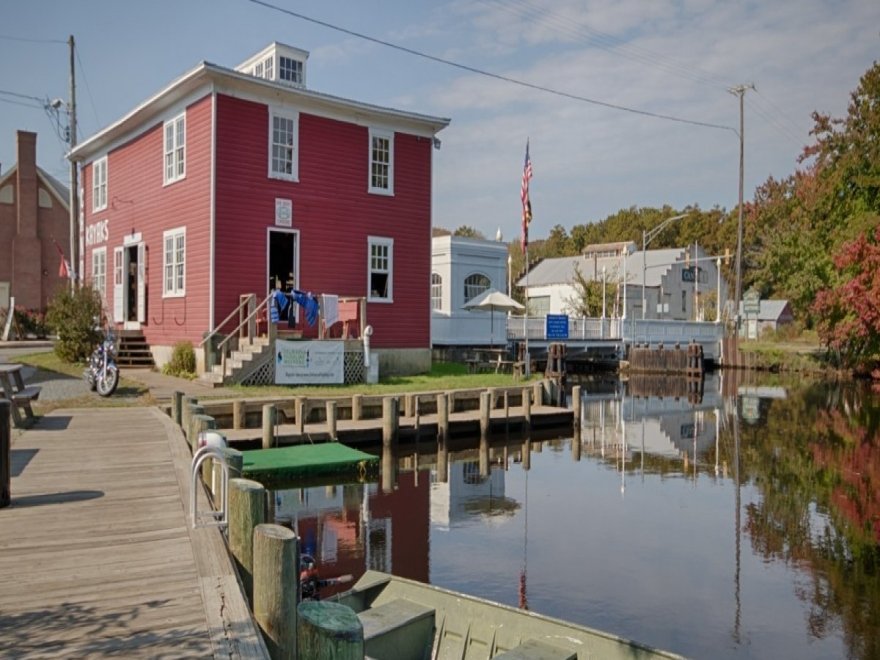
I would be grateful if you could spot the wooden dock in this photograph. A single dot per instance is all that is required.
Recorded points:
(97, 557)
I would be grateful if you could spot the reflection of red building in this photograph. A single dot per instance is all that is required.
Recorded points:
(349, 529)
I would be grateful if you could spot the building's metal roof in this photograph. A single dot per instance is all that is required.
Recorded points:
(561, 270)
(770, 310)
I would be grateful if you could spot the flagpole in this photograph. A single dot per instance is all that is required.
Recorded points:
(526, 366)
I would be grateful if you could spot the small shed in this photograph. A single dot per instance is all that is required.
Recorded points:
(772, 314)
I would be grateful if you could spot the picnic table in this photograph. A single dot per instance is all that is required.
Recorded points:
(488, 359)
(13, 389)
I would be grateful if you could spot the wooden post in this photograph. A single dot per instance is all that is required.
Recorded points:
(527, 453)
(442, 418)
(328, 630)
(185, 412)
(189, 429)
(199, 422)
(5, 453)
(299, 413)
(408, 405)
(506, 412)
(176, 406)
(247, 509)
(269, 425)
(390, 421)
(576, 405)
(527, 407)
(418, 428)
(388, 471)
(276, 573)
(331, 420)
(539, 392)
(357, 406)
(234, 461)
(238, 414)
(485, 413)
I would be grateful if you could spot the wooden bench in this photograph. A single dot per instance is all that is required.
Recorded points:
(398, 629)
(13, 389)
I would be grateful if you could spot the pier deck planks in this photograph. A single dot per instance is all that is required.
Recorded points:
(97, 558)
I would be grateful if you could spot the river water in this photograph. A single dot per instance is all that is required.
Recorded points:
(732, 520)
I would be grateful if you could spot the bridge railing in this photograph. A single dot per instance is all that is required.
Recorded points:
(578, 328)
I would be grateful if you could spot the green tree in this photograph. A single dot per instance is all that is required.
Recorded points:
(587, 297)
(75, 317)
(468, 232)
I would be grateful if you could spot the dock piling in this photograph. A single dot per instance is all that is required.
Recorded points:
(276, 574)
(238, 414)
(390, 419)
(357, 406)
(527, 407)
(485, 413)
(247, 509)
(176, 406)
(269, 415)
(328, 630)
(299, 407)
(331, 407)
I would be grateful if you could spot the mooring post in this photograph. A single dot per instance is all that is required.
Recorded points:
(192, 433)
(176, 406)
(576, 406)
(238, 414)
(276, 574)
(357, 406)
(506, 411)
(201, 424)
(485, 413)
(269, 414)
(235, 463)
(442, 417)
(390, 421)
(418, 426)
(539, 391)
(408, 405)
(328, 630)
(527, 406)
(247, 509)
(5, 453)
(527, 453)
(299, 413)
(331, 420)
(185, 412)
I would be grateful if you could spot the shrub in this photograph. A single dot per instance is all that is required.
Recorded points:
(73, 316)
(183, 361)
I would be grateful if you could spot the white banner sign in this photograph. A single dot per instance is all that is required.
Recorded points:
(309, 362)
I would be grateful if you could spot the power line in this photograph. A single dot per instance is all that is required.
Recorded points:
(21, 96)
(22, 103)
(33, 41)
(489, 74)
(88, 89)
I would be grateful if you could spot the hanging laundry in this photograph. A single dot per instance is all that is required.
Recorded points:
(330, 309)
(309, 303)
(279, 308)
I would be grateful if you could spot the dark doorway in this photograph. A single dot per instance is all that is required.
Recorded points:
(131, 285)
(282, 259)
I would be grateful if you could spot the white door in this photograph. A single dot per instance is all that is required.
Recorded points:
(118, 289)
(142, 283)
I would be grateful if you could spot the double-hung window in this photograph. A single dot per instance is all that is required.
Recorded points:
(99, 184)
(436, 291)
(381, 269)
(99, 270)
(174, 263)
(175, 149)
(381, 162)
(283, 145)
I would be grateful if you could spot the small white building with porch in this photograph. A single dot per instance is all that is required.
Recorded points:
(676, 284)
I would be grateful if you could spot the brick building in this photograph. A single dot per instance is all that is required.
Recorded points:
(34, 216)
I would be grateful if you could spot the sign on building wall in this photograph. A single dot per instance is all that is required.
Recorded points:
(283, 212)
(309, 362)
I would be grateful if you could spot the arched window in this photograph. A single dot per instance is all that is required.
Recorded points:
(436, 291)
(474, 285)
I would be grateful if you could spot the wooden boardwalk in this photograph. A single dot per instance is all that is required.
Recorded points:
(97, 558)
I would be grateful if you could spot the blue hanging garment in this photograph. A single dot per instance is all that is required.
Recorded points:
(309, 303)
(280, 303)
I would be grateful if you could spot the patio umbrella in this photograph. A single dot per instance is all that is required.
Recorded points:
(493, 300)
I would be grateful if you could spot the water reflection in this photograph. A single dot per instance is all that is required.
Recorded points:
(731, 520)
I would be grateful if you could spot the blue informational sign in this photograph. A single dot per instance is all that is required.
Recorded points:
(557, 326)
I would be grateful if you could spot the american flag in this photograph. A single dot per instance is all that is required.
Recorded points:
(526, 202)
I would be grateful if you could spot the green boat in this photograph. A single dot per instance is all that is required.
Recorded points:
(407, 620)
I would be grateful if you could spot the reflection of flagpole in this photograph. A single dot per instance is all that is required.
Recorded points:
(736, 625)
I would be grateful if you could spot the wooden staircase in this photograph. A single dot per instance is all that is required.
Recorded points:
(239, 364)
(133, 350)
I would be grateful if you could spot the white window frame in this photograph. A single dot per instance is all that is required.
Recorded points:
(298, 69)
(99, 184)
(293, 117)
(436, 292)
(372, 162)
(99, 271)
(268, 67)
(374, 267)
(174, 280)
(174, 152)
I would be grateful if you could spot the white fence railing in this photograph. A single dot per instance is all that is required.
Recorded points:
(641, 331)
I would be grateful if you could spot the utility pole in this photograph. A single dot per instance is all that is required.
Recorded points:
(74, 192)
(739, 91)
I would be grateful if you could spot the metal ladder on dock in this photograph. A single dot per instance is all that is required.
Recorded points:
(210, 518)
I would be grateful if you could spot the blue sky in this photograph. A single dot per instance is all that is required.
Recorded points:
(670, 57)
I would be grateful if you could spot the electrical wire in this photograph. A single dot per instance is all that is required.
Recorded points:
(21, 103)
(33, 41)
(22, 96)
(82, 71)
(489, 74)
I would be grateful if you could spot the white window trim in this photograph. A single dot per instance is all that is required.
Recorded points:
(436, 301)
(174, 149)
(389, 242)
(174, 291)
(388, 135)
(102, 251)
(99, 186)
(294, 116)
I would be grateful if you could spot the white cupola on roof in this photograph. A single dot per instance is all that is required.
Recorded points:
(278, 62)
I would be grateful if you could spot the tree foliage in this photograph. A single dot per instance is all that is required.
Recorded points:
(587, 297)
(73, 315)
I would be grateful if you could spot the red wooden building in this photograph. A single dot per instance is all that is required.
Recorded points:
(229, 181)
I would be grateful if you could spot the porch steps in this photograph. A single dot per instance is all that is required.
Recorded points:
(133, 350)
(237, 361)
